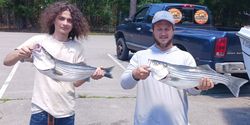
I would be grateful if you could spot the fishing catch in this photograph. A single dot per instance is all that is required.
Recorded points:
(183, 77)
(61, 70)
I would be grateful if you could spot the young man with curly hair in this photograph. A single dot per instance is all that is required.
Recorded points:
(53, 101)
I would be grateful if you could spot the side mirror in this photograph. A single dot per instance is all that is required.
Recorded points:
(128, 20)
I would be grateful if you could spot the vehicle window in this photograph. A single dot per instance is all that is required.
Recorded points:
(139, 17)
(187, 17)
(149, 19)
(151, 13)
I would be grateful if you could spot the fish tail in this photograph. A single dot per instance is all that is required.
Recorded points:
(234, 84)
(107, 72)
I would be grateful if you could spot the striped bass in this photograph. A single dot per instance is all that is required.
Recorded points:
(183, 77)
(60, 70)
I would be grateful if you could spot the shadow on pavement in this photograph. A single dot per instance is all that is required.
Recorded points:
(237, 116)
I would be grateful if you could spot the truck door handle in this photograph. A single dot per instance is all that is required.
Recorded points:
(138, 28)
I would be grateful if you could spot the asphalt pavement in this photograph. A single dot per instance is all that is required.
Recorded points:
(104, 102)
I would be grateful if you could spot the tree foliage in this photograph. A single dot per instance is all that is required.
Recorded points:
(104, 15)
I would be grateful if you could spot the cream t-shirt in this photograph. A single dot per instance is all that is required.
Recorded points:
(55, 97)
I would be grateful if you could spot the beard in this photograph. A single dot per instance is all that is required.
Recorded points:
(163, 46)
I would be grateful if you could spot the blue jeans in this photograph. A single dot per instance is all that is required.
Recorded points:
(43, 117)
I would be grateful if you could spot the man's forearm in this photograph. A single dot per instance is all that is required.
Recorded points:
(12, 58)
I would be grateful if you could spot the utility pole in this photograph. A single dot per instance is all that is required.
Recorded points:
(132, 9)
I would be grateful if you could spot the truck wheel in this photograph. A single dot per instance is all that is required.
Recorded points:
(122, 49)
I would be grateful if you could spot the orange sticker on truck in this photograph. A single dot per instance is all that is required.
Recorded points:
(201, 17)
(176, 14)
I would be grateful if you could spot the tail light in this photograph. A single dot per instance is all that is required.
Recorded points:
(221, 47)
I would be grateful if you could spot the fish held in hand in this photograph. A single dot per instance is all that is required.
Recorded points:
(183, 77)
(60, 70)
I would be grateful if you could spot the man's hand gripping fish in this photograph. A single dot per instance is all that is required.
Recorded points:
(183, 77)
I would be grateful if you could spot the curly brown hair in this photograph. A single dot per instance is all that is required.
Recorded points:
(47, 18)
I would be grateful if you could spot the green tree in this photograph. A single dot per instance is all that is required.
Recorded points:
(104, 15)
(3, 3)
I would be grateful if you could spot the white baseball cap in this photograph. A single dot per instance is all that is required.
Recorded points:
(163, 15)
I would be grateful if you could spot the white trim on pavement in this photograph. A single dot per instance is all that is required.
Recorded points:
(115, 60)
(7, 81)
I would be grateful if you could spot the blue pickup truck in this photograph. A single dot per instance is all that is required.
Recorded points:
(194, 32)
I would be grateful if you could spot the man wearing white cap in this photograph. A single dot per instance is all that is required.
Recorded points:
(158, 103)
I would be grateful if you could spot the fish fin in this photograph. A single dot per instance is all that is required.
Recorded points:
(164, 77)
(234, 84)
(57, 80)
(171, 78)
(207, 67)
(81, 63)
(175, 79)
(56, 72)
(107, 72)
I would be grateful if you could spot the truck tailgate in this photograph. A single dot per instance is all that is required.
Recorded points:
(234, 52)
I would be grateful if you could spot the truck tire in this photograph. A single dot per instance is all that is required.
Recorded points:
(122, 49)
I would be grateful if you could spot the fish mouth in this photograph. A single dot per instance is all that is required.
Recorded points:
(164, 77)
(37, 48)
(42, 59)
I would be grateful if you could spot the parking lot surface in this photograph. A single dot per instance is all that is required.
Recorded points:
(104, 102)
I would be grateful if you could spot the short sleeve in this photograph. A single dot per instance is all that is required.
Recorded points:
(31, 41)
(190, 60)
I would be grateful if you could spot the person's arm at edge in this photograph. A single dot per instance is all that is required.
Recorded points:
(127, 79)
(12, 58)
(79, 83)
(193, 91)
(23, 52)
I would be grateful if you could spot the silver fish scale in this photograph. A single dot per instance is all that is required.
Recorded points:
(74, 70)
(196, 74)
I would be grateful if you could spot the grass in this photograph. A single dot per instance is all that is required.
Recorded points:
(105, 97)
(100, 33)
(4, 100)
